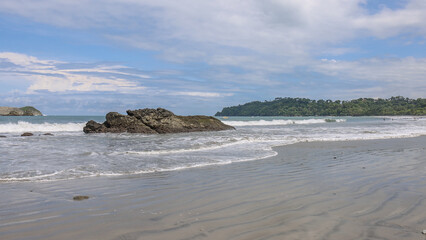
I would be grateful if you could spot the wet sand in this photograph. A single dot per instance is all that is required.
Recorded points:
(373, 189)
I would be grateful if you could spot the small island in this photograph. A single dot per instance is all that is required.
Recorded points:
(154, 121)
(393, 106)
(23, 111)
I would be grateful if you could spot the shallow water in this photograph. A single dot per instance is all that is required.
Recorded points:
(70, 153)
(371, 189)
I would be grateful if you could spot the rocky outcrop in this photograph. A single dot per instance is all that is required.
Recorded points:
(23, 111)
(153, 121)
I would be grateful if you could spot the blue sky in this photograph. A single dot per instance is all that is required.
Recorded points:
(196, 57)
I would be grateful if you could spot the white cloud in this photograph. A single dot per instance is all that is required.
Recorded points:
(393, 76)
(387, 23)
(63, 77)
(261, 38)
(406, 70)
(48, 75)
(26, 61)
(202, 94)
(286, 28)
(283, 33)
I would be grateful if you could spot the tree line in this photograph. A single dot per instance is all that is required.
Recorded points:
(306, 107)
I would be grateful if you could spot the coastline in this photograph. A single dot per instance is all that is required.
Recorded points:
(361, 189)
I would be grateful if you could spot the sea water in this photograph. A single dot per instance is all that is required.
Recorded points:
(70, 153)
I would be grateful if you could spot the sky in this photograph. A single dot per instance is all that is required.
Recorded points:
(90, 57)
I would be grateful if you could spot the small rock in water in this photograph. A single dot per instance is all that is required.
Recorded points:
(48, 134)
(27, 134)
(79, 198)
(424, 232)
(334, 157)
(2, 136)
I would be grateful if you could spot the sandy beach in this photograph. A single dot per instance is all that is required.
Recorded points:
(372, 189)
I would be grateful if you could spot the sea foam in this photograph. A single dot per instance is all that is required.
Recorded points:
(277, 122)
(23, 126)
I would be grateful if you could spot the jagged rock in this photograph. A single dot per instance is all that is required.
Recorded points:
(23, 111)
(116, 122)
(27, 134)
(152, 121)
(94, 127)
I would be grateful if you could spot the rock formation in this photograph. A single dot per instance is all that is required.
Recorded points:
(24, 111)
(153, 121)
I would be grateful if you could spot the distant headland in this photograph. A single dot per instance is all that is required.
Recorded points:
(306, 107)
(23, 111)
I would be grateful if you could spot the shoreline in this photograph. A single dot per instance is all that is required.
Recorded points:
(201, 166)
(360, 189)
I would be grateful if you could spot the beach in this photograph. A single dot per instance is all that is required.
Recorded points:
(212, 120)
(361, 189)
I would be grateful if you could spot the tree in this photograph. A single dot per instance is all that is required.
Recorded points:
(306, 107)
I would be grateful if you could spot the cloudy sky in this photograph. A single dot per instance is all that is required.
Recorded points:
(195, 57)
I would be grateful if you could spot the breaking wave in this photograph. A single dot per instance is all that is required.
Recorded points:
(23, 126)
(280, 122)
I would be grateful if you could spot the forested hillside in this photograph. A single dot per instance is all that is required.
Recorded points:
(307, 107)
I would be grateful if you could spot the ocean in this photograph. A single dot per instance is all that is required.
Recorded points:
(71, 154)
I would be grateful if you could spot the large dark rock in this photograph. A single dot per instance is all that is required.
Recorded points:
(116, 122)
(152, 121)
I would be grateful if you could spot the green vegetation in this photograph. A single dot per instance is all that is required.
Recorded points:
(30, 111)
(306, 107)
